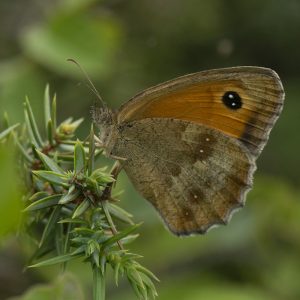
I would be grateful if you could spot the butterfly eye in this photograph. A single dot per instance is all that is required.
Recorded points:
(232, 100)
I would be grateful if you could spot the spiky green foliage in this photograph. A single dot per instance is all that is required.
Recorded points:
(71, 202)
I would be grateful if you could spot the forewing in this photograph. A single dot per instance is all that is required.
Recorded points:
(198, 98)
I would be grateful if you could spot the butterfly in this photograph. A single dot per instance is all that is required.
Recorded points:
(189, 145)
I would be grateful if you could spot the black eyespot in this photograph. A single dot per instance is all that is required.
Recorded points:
(232, 100)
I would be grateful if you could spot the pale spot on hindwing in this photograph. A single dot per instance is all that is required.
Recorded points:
(201, 143)
(195, 196)
(193, 175)
(188, 214)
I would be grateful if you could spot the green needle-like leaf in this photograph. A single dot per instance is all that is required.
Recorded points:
(129, 239)
(33, 124)
(70, 196)
(148, 282)
(59, 238)
(76, 123)
(50, 226)
(119, 213)
(53, 114)
(116, 273)
(7, 131)
(135, 276)
(50, 133)
(81, 240)
(91, 151)
(37, 196)
(79, 158)
(120, 235)
(55, 260)
(49, 163)
(146, 272)
(81, 208)
(47, 108)
(140, 293)
(30, 131)
(44, 203)
(65, 157)
(53, 177)
(22, 149)
(103, 263)
(74, 221)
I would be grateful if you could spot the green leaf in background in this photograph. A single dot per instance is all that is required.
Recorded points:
(10, 194)
(94, 42)
(19, 77)
(206, 291)
(65, 287)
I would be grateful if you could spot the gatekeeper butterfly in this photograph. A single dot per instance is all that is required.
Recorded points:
(189, 145)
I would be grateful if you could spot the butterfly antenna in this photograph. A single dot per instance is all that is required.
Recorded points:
(90, 84)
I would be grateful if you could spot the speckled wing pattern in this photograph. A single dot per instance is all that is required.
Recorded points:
(193, 175)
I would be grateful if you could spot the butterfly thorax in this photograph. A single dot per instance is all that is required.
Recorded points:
(106, 122)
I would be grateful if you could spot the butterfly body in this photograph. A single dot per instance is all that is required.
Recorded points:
(189, 145)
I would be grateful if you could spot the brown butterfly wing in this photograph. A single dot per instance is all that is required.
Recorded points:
(199, 98)
(193, 175)
(189, 153)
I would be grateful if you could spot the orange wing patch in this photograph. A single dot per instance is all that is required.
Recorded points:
(200, 104)
(198, 99)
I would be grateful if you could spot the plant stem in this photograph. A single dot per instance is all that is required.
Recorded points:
(110, 222)
(99, 283)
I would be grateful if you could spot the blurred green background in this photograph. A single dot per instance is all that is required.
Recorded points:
(126, 46)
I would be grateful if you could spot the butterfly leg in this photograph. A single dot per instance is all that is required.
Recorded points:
(116, 169)
(99, 143)
(118, 157)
